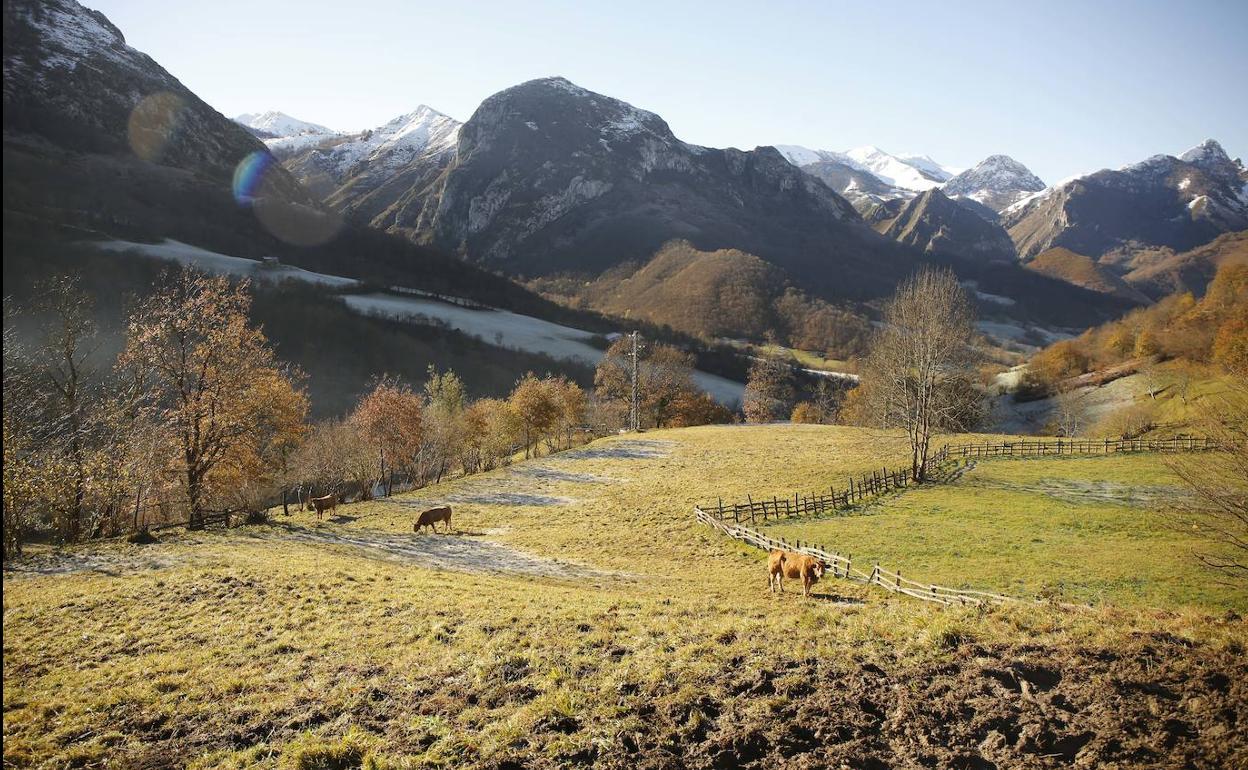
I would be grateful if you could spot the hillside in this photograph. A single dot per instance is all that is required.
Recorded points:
(718, 294)
(103, 144)
(1161, 272)
(937, 225)
(1079, 270)
(561, 634)
(341, 350)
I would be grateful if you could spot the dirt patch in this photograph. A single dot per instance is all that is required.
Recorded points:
(86, 559)
(984, 708)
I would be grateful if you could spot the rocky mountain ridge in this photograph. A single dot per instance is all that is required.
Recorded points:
(1161, 202)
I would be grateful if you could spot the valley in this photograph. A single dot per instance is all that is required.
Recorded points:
(249, 360)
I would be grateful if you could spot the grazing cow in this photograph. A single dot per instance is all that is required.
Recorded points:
(322, 504)
(782, 564)
(432, 516)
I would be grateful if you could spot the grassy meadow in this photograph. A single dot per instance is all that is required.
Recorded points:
(1080, 529)
(587, 620)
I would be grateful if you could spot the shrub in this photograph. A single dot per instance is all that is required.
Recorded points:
(808, 413)
(1128, 422)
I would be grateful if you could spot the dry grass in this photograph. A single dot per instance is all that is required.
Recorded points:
(250, 649)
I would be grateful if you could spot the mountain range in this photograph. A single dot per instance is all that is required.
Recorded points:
(548, 179)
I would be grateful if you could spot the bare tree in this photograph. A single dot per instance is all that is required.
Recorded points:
(769, 391)
(1069, 412)
(69, 388)
(1218, 482)
(920, 372)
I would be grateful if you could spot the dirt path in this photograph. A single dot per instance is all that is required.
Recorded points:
(455, 551)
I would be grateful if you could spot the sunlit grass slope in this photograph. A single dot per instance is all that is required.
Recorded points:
(249, 648)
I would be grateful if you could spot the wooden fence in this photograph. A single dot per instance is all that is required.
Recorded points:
(729, 518)
(842, 566)
(1049, 447)
(865, 487)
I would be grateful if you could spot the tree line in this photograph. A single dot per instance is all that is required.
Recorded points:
(196, 415)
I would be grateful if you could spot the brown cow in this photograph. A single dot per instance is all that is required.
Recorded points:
(432, 516)
(327, 503)
(782, 564)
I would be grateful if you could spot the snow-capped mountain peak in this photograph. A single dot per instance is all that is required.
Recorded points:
(920, 176)
(868, 175)
(1207, 152)
(280, 125)
(998, 182)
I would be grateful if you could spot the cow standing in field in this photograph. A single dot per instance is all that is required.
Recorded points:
(322, 504)
(432, 516)
(782, 564)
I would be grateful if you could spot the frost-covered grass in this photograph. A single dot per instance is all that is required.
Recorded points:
(274, 652)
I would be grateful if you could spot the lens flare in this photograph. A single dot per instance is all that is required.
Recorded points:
(249, 176)
(153, 122)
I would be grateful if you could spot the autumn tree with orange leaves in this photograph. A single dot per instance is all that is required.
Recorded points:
(390, 420)
(210, 381)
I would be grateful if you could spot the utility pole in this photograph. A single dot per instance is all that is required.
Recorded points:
(634, 403)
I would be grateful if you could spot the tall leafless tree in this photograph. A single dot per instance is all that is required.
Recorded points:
(920, 372)
(1218, 482)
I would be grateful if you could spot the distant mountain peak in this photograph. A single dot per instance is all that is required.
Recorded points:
(997, 181)
(274, 123)
(868, 175)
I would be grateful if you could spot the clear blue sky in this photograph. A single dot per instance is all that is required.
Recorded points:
(1064, 87)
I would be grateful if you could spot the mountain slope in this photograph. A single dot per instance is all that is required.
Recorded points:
(998, 182)
(98, 136)
(1165, 272)
(550, 177)
(1080, 270)
(377, 177)
(1178, 203)
(937, 225)
(100, 142)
